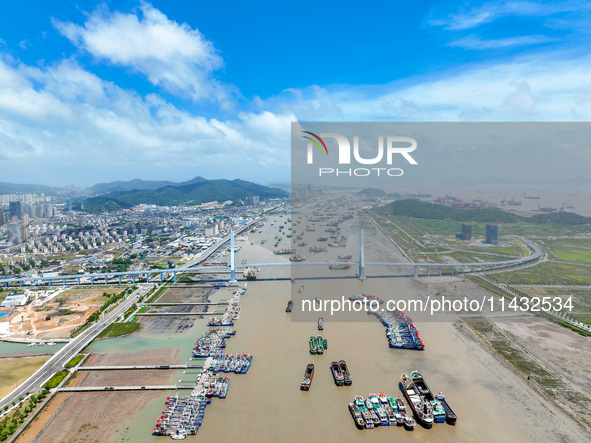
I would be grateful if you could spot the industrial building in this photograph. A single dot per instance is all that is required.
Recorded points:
(15, 299)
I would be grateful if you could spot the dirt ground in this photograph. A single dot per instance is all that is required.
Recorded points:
(76, 306)
(96, 416)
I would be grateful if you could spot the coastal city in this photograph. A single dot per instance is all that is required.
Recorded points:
(89, 301)
(228, 221)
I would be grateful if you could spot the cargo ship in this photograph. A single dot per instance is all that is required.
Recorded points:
(307, 380)
(343, 265)
(451, 417)
(424, 391)
(422, 409)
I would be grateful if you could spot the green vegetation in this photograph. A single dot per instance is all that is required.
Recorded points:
(418, 209)
(112, 300)
(156, 295)
(546, 274)
(11, 421)
(57, 378)
(72, 363)
(119, 329)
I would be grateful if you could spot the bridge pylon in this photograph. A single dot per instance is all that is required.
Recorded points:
(361, 274)
(232, 265)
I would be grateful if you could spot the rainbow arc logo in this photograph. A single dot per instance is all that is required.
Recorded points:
(316, 142)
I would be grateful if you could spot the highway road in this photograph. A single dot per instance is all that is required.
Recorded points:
(73, 348)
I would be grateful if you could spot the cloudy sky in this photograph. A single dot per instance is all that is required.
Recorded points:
(100, 91)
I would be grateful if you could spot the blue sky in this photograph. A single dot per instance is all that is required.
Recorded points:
(100, 91)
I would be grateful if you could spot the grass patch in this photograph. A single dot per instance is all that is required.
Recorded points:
(119, 329)
(74, 361)
(546, 274)
(57, 378)
(156, 295)
(14, 371)
(565, 253)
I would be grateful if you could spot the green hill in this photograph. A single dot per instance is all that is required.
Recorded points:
(194, 193)
(564, 218)
(418, 209)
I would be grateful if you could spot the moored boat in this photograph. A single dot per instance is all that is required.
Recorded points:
(347, 380)
(421, 409)
(307, 380)
(451, 417)
(423, 389)
(320, 323)
(337, 374)
(357, 417)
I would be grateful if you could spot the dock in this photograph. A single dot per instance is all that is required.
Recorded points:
(137, 367)
(124, 388)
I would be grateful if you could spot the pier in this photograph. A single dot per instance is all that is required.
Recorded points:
(125, 388)
(152, 314)
(137, 367)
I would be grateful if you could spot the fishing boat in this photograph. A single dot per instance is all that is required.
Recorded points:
(357, 417)
(179, 435)
(451, 417)
(423, 389)
(393, 413)
(360, 404)
(379, 410)
(307, 380)
(250, 273)
(421, 409)
(337, 374)
(313, 349)
(320, 323)
(346, 375)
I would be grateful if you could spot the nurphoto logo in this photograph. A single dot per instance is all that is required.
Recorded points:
(394, 145)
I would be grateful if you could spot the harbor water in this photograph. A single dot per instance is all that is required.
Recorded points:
(266, 404)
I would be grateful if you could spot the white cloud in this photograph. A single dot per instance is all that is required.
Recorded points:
(171, 55)
(476, 43)
(474, 17)
(78, 122)
(521, 90)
